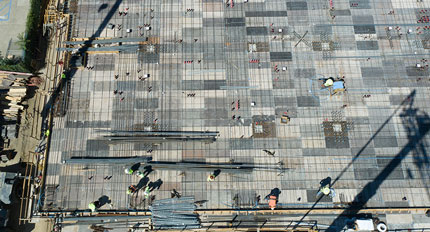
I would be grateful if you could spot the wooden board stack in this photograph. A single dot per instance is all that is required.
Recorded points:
(13, 89)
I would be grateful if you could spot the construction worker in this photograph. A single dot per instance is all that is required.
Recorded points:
(211, 177)
(136, 172)
(328, 82)
(285, 118)
(128, 171)
(272, 202)
(131, 189)
(94, 206)
(272, 197)
(147, 192)
(326, 190)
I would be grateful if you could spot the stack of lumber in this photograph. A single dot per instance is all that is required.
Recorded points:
(13, 89)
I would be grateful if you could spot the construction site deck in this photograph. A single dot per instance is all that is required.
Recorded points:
(238, 86)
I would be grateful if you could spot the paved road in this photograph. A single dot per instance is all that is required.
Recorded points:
(13, 15)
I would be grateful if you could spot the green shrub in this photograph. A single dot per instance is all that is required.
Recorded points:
(33, 30)
(14, 65)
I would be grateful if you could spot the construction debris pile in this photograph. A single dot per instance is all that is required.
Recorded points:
(174, 213)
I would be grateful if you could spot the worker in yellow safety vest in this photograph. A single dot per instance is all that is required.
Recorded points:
(326, 190)
(93, 206)
(136, 172)
(147, 192)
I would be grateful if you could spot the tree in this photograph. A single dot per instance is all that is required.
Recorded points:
(22, 41)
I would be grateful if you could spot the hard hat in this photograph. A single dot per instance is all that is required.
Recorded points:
(211, 177)
(381, 227)
(129, 191)
(328, 82)
(127, 171)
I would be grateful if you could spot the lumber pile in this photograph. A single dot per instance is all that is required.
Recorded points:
(13, 89)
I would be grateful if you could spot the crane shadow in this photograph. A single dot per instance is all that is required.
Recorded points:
(49, 106)
(417, 124)
(70, 73)
(409, 98)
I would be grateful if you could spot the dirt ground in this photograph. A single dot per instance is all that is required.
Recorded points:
(29, 128)
(43, 225)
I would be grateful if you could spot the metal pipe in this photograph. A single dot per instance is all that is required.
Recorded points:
(153, 139)
(163, 133)
(104, 218)
(237, 87)
(107, 160)
(164, 165)
(124, 47)
(54, 212)
(105, 41)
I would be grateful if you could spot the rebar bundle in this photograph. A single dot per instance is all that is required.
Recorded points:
(175, 213)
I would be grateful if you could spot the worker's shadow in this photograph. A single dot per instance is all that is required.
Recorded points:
(274, 192)
(103, 200)
(135, 167)
(143, 182)
(102, 7)
(155, 185)
(147, 170)
(217, 172)
(326, 181)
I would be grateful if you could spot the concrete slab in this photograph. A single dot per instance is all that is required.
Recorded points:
(232, 70)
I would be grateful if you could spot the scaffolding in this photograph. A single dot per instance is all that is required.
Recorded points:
(52, 14)
(34, 175)
(28, 190)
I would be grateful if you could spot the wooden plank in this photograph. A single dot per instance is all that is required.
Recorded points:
(17, 89)
(16, 106)
(11, 98)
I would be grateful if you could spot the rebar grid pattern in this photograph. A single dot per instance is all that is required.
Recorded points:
(377, 63)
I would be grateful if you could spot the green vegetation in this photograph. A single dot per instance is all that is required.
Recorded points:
(33, 30)
(28, 41)
(14, 65)
(22, 41)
